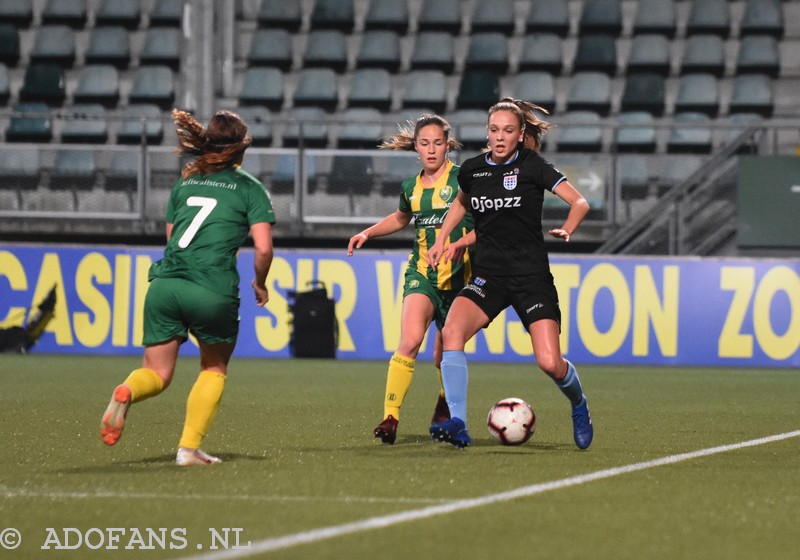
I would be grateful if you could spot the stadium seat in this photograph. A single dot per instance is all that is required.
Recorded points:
(153, 84)
(389, 15)
(649, 53)
(284, 173)
(271, 47)
(54, 44)
(596, 53)
(45, 83)
(361, 128)
(18, 13)
(317, 87)
(9, 44)
(118, 12)
(333, 14)
(19, 168)
(280, 14)
(579, 131)
(488, 52)
(676, 169)
(98, 83)
(308, 122)
(758, 54)
(5, 84)
(589, 91)
(469, 127)
(371, 87)
(644, 92)
(601, 16)
(542, 52)
(379, 49)
(633, 178)
(478, 90)
(262, 86)
(635, 132)
(655, 16)
(109, 45)
(442, 15)
(690, 133)
(122, 173)
(698, 93)
(162, 46)
(165, 169)
(30, 123)
(259, 124)
(433, 50)
(399, 167)
(762, 17)
(65, 12)
(167, 13)
(87, 123)
(737, 123)
(548, 16)
(73, 170)
(425, 89)
(493, 17)
(752, 93)
(351, 175)
(709, 17)
(326, 48)
(141, 118)
(538, 87)
(704, 54)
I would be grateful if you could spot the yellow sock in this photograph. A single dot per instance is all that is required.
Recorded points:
(441, 383)
(143, 383)
(201, 407)
(398, 380)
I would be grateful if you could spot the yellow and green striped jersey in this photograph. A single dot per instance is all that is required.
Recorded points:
(429, 207)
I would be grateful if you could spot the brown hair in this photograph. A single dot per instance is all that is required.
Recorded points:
(406, 137)
(219, 145)
(533, 126)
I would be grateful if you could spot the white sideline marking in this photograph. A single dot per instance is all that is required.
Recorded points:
(26, 494)
(382, 521)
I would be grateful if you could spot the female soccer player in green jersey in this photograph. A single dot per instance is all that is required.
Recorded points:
(428, 291)
(195, 286)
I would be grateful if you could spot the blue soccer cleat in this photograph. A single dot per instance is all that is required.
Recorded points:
(453, 431)
(582, 428)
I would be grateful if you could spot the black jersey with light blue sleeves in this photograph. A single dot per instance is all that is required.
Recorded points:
(506, 203)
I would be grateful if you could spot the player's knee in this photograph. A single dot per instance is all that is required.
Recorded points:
(551, 364)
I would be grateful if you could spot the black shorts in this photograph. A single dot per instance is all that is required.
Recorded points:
(532, 297)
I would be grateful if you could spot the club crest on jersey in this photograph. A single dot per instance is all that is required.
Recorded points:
(413, 284)
(479, 281)
(510, 182)
(446, 192)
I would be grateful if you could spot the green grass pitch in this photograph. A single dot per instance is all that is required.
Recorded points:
(299, 456)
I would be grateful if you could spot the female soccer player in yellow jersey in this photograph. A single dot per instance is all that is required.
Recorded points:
(195, 286)
(428, 291)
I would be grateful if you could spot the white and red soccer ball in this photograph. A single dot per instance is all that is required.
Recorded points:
(511, 421)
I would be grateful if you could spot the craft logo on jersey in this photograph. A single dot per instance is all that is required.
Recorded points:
(446, 192)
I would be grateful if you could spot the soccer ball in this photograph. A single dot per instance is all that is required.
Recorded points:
(511, 421)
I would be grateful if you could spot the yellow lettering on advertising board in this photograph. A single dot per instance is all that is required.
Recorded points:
(92, 327)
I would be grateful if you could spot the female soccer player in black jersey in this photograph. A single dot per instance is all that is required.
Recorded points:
(504, 190)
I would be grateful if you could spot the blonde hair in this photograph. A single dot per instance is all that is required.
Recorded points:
(219, 145)
(407, 135)
(525, 111)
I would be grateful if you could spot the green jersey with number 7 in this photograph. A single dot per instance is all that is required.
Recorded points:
(211, 216)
